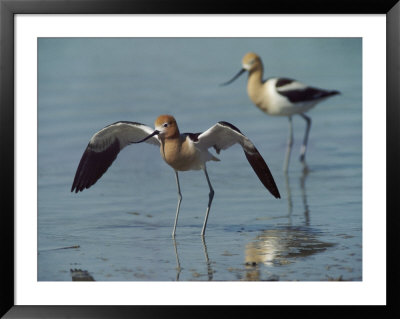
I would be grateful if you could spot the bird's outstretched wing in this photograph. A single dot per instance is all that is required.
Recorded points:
(223, 135)
(103, 149)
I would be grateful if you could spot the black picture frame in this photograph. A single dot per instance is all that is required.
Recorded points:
(8, 8)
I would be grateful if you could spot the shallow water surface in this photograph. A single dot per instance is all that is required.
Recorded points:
(120, 228)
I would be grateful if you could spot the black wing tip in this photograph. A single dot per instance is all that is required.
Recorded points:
(273, 189)
(76, 189)
(81, 185)
(93, 165)
(263, 172)
(276, 194)
(325, 94)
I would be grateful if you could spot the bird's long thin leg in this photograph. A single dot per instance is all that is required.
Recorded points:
(304, 146)
(289, 146)
(179, 203)
(210, 198)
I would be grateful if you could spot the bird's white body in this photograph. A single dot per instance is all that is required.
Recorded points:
(272, 102)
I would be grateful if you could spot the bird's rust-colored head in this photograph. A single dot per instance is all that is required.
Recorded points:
(167, 126)
(251, 61)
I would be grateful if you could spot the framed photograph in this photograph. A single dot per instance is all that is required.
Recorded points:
(301, 220)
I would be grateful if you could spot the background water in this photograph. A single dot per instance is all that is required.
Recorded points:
(120, 228)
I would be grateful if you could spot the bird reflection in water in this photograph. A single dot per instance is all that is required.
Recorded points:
(283, 245)
(210, 271)
(303, 190)
(178, 264)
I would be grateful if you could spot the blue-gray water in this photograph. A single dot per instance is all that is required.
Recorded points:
(121, 227)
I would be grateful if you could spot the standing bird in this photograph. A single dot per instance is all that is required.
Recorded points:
(183, 152)
(281, 96)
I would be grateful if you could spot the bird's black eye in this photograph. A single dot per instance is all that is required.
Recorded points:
(165, 124)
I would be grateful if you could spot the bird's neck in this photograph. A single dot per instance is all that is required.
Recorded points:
(173, 141)
(255, 76)
(254, 85)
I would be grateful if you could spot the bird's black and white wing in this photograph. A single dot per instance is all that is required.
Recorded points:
(296, 91)
(103, 149)
(223, 135)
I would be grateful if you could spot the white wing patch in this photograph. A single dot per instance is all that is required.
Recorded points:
(222, 136)
(125, 132)
(295, 85)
